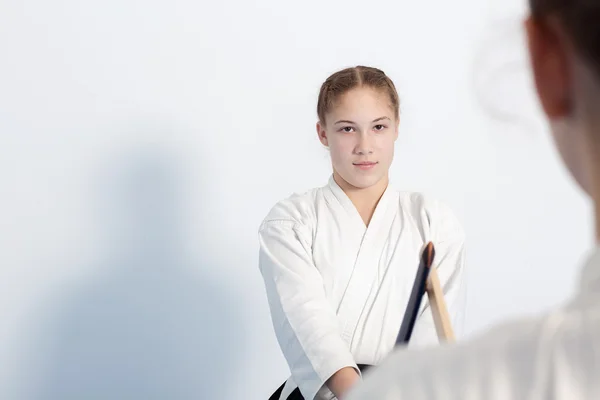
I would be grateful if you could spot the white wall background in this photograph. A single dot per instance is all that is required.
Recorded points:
(203, 113)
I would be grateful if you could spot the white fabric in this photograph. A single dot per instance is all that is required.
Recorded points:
(338, 290)
(555, 356)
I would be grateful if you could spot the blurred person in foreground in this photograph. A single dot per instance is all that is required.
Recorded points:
(552, 356)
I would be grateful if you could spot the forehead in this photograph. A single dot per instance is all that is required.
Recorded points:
(363, 103)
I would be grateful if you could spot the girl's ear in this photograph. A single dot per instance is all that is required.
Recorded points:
(322, 133)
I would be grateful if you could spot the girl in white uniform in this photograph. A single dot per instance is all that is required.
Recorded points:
(557, 355)
(339, 261)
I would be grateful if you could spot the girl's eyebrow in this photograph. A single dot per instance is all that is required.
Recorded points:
(345, 121)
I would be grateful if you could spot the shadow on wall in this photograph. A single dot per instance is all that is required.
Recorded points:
(151, 324)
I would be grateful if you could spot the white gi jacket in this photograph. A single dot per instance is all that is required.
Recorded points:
(338, 290)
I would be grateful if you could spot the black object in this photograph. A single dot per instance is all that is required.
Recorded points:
(416, 295)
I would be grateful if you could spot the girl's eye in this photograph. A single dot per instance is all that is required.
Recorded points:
(347, 129)
(379, 127)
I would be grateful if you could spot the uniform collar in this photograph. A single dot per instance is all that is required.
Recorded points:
(388, 197)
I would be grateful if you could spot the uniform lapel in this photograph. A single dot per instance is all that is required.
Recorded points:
(370, 241)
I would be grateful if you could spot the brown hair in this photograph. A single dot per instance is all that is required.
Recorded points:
(581, 20)
(350, 78)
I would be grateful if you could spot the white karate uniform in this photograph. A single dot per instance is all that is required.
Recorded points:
(555, 356)
(338, 290)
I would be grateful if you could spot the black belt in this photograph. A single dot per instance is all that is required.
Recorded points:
(296, 395)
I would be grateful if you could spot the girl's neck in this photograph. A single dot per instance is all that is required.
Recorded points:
(364, 199)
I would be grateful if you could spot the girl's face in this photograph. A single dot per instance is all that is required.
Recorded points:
(360, 131)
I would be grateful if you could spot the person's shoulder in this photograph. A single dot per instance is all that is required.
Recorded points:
(505, 354)
(531, 348)
(516, 337)
(567, 332)
(433, 213)
(297, 208)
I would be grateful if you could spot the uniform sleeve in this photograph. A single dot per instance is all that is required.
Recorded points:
(304, 322)
(449, 241)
